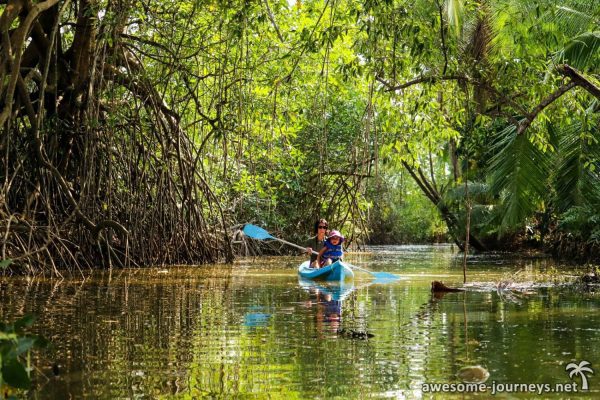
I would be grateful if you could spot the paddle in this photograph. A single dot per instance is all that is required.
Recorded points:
(381, 277)
(256, 232)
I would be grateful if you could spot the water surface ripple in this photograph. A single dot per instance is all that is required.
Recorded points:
(253, 330)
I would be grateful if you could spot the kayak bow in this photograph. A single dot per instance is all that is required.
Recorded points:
(338, 271)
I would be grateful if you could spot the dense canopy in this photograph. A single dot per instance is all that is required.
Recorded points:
(147, 131)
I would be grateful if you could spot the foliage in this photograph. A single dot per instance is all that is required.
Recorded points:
(518, 171)
(402, 214)
(15, 349)
(5, 263)
(154, 128)
(581, 222)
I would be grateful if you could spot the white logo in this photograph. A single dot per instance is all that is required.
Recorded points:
(580, 369)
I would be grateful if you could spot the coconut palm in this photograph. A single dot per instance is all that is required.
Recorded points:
(491, 67)
(518, 167)
(580, 369)
(581, 23)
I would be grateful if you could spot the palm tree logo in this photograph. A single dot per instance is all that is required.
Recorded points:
(580, 369)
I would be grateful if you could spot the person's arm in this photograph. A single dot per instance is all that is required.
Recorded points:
(323, 250)
(309, 246)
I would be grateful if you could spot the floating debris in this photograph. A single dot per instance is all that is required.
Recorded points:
(437, 286)
(473, 374)
(352, 334)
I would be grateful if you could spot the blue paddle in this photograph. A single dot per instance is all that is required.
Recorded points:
(256, 232)
(381, 277)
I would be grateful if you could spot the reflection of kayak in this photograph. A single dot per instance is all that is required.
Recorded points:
(338, 271)
(337, 291)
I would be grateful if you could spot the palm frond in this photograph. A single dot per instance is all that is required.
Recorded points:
(479, 33)
(455, 10)
(519, 171)
(481, 215)
(575, 179)
(582, 52)
(574, 18)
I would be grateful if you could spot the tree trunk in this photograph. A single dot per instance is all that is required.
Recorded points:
(451, 221)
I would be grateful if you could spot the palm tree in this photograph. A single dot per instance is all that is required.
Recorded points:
(498, 69)
(580, 369)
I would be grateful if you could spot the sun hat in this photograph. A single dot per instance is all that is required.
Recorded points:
(337, 234)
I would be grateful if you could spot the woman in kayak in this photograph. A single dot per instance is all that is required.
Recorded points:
(332, 251)
(317, 242)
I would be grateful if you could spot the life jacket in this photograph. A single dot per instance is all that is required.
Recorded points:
(332, 251)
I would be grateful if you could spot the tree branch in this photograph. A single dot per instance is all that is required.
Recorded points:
(579, 79)
(19, 41)
(525, 123)
(422, 79)
(272, 19)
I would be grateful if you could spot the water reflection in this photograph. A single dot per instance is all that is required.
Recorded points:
(252, 330)
(254, 317)
(327, 298)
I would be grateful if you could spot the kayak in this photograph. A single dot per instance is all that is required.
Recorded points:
(338, 271)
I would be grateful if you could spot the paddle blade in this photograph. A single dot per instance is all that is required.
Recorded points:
(380, 277)
(256, 232)
(384, 277)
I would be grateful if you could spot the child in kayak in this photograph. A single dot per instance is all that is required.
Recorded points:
(332, 251)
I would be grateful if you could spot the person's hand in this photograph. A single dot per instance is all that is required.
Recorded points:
(309, 250)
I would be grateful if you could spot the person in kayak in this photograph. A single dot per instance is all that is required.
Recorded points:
(317, 242)
(332, 251)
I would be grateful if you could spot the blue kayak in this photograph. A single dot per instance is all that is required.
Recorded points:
(338, 271)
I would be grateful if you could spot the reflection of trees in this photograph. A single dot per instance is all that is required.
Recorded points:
(183, 333)
(129, 331)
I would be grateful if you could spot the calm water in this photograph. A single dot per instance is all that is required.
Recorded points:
(252, 330)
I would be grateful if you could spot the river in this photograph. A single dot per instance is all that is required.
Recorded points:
(253, 330)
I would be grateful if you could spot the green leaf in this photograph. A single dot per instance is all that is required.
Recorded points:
(23, 344)
(25, 322)
(455, 15)
(5, 263)
(15, 375)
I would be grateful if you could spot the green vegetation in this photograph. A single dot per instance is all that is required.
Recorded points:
(143, 132)
(15, 357)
